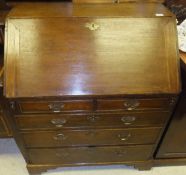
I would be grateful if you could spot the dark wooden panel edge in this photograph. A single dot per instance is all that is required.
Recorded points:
(16, 135)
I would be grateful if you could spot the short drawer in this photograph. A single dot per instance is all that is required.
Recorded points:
(124, 120)
(90, 155)
(91, 137)
(55, 106)
(134, 104)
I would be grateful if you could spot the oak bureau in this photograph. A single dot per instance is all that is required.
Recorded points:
(90, 84)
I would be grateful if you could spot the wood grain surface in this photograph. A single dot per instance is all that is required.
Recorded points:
(61, 56)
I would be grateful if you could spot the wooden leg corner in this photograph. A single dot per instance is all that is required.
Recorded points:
(35, 170)
(144, 166)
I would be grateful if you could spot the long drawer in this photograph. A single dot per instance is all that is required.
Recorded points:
(124, 120)
(115, 104)
(91, 137)
(90, 155)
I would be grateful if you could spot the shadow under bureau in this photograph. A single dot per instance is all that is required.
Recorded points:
(87, 86)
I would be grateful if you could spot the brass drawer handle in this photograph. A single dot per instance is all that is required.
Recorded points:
(128, 120)
(121, 153)
(58, 154)
(59, 137)
(172, 101)
(93, 118)
(91, 133)
(58, 122)
(12, 105)
(124, 137)
(56, 107)
(90, 150)
(131, 105)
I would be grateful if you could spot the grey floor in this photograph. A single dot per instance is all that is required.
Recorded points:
(12, 163)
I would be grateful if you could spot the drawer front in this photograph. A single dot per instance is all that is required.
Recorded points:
(55, 106)
(90, 155)
(134, 104)
(91, 137)
(124, 120)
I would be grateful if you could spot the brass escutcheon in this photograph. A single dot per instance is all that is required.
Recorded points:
(92, 26)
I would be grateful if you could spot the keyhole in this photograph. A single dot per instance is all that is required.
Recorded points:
(115, 1)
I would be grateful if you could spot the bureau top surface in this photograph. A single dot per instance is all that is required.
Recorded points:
(47, 54)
